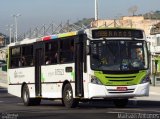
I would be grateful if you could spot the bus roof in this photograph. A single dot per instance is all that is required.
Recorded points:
(24, 41)
(115, 28)
(55, 36)
(45, 38)
(62, 35)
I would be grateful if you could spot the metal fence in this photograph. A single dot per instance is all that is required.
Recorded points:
(51, 29)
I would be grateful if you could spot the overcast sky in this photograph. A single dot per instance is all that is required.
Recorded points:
(38, 12)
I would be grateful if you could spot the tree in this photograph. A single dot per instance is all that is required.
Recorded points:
(133, 10)
(84, 21)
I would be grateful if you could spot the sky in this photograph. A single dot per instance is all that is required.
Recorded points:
(38, 12)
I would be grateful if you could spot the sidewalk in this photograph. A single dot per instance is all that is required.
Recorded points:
(3, 79)
(155, 90)
(154, 94)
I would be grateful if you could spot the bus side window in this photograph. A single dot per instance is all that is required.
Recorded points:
(51, 52)
(27, 56)
(15, 57)
(67, 50)
(14, 63)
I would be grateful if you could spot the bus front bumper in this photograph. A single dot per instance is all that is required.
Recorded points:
(101, 91)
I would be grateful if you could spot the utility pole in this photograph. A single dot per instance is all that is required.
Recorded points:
(10, 32)
(15, 20)
(96, 10)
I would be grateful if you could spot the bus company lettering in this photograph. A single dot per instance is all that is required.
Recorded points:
(59, 71)
(18, 74)
(50, 74)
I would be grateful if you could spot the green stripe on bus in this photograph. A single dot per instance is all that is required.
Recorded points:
(42, 77)
(73, 75)
(120, 79)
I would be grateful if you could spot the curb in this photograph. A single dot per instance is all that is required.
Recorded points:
(154, 93)
(3, 79)
(4, 85)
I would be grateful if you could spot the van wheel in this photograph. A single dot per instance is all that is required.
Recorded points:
(26, 97)
(67, 96)
(120, 102)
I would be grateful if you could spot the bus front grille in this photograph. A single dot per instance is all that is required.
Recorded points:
(116, 91)
(120, 78)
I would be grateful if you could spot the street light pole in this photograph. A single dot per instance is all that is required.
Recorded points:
(96, 10)
(10, 33)
(16, 24)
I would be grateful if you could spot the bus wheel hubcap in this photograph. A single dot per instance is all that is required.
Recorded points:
(68, 95)
(25, 96)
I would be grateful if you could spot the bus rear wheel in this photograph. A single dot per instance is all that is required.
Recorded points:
(120, 102)
(67, 96)
(26, 97)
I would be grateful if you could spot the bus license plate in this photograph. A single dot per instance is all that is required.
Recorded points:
(121, 88)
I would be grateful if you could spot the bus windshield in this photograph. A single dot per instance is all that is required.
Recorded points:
(119, 55)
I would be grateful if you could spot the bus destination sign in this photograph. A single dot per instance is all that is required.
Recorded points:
(117, 33)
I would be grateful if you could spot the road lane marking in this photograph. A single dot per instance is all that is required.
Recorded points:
(19, 103)
(115, 112)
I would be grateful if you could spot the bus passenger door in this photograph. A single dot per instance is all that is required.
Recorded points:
(38, 60)
(79, 91)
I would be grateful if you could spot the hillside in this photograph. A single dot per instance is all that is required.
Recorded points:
(84, 21)
(152, 15)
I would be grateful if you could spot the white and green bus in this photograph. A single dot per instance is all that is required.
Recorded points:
(105, 63)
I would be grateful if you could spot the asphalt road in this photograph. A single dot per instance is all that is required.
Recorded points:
(12, 107)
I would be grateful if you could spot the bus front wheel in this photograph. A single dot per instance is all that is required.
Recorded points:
(67, 96)
(120, 102)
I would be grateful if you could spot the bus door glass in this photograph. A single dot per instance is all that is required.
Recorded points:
(38, 60)
(79, 66)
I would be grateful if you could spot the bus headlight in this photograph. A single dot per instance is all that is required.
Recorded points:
(95, 80)
(145, 79)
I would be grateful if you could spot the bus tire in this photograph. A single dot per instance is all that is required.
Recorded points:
(120, 103)
(67, 97)
(26, 97)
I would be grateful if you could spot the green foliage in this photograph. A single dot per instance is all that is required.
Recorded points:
(84, 21)
(152, 15)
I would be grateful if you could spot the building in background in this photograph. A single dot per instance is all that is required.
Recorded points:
(154, 40)
(2, 47)
(1, 40)
(127, 22)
